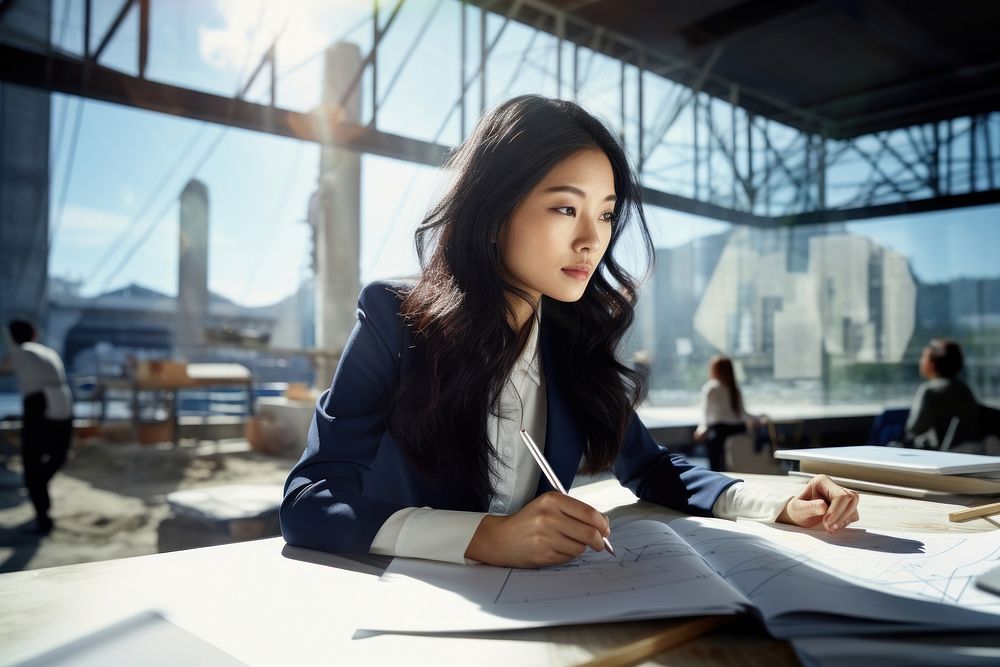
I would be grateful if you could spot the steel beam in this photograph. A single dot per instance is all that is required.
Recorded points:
(522, 60)
(114, 28)
(988, 150)
(143, 37)
(461, 67)
(680, 105)
(758, 168)
(379, 103)
(370, 58)
(620, 46)
(983, 198)
(485, 51)
(58, 73)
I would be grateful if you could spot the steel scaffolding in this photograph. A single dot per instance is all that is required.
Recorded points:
(696, 151)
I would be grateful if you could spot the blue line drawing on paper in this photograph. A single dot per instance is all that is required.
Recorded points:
(649, 555)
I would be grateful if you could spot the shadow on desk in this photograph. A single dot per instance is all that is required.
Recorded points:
(860, 538)
(147, 638)
(363, 563)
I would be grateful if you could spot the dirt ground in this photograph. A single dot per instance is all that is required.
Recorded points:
(109, 498)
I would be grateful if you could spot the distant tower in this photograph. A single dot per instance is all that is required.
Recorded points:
(192, 270)
(24, 177)
(336, 213)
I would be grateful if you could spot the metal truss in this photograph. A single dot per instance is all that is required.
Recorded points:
(695, 152)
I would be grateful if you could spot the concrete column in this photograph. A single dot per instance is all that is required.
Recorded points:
(192, 270)
(337, 216)
(24, 182)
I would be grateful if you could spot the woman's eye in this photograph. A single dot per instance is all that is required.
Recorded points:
(569, 210)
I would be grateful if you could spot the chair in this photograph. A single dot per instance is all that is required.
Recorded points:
(889, 426)
(949, 435)
(982, 442)
(785, 432)
(741, 457)
(989, 420)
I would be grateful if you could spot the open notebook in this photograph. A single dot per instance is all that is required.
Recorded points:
(801, 582)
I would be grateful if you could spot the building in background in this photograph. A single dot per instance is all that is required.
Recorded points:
(785, 309)
(98, 335)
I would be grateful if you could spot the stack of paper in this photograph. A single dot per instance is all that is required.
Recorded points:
(914, 473)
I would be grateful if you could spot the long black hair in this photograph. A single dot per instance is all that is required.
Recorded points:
(465, 344)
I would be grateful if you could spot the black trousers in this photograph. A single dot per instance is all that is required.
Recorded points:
(44, 444)
(714, 439)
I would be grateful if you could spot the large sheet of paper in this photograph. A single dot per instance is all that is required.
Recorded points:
(802, 582)
(654, 575)
(811, 583)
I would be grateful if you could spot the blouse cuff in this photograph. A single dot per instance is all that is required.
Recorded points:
(750, 501)
(441, 535)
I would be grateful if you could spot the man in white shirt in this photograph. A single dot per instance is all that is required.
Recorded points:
(47, 417)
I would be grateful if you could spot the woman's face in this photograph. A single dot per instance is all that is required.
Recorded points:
(557, 234)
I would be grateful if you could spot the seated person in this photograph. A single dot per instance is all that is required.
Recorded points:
(512, 327)
(942, 398)
(722, 413)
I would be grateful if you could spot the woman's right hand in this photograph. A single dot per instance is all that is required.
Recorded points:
(551, 529)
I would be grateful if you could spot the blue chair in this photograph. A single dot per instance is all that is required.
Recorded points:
(889, 426)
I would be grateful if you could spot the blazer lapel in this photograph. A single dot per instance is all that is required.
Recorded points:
(563, 438)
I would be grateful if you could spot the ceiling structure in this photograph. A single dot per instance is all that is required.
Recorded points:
(838, 67)
(906, 93)
(910, 89)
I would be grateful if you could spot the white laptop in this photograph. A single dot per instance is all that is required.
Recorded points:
(898, 458)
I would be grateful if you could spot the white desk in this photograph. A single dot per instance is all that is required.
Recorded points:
(264, 605)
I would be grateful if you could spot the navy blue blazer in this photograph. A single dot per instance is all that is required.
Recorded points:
(352, 475)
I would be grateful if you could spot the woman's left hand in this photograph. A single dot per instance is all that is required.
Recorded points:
(822, 501)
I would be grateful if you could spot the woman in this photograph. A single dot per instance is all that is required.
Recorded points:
(722, 413)
(942, 399)
(415, 450)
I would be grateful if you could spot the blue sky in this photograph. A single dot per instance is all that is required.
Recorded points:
(944, 245)
(117, 222)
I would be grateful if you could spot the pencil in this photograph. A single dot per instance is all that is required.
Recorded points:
(635, 652)
(974, 512)
(550, 474)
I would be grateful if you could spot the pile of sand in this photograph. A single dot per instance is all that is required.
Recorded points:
(109, 499)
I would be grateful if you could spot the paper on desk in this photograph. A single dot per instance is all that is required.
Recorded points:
(654, 575)
(811, 583)
(803, 582)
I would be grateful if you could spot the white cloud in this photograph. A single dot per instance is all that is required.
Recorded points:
(87, 227)
(228, 47)
(250, 27)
